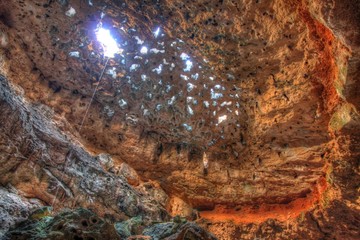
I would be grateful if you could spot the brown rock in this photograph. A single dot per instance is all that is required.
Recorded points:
(139, 237)
(129, 173)
(267, 90)
(177, 207)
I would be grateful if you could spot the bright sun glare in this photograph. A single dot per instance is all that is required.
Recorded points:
(108, 42)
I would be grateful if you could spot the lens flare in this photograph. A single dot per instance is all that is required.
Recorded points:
(107, 41)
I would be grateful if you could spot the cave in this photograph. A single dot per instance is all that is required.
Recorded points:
(168, 119)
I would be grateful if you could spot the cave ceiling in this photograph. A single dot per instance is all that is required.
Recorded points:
(222, 102)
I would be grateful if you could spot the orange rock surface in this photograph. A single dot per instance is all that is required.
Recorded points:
(240, 115)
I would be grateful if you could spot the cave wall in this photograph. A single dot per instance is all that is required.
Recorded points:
(287, 72)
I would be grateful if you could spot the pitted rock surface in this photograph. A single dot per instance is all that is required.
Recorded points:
(239, 111)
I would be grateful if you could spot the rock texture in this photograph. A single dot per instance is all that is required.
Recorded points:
(14, 209)
(84, 224)
(77, 224)
(242, 115)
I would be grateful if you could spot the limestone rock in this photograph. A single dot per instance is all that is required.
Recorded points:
(139, 237)
(246, 111)
(14, 209)
(129, 227)
(106, 160)
(174, 231)
(177, 206)
(69, 224)
(129, 173)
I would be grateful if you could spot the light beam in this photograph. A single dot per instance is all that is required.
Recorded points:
(107, 41)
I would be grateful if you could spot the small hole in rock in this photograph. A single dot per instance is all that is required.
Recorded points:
(84, 223)
(76, 237)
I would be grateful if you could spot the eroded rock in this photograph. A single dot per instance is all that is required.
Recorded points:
(14, 209)
(69, 224)
(266, 90)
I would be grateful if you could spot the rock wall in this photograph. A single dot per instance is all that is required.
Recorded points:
(243, 115)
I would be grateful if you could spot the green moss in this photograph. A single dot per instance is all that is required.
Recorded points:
(343, 73)
(41, 212)
(128, 227)
(161, 230)
(341, 117)
(339, 87)
(302, 217)
(341, 79)
(69, 224)
(42, 227)
(325, 199)
(329, 171)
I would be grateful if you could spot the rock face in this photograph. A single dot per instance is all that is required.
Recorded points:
(243, 115)
(77, 224)
(14, 209)
(84, 224)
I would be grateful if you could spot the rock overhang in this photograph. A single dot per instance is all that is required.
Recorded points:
(249, 85)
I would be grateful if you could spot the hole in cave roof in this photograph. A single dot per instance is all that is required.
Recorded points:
(162, 71)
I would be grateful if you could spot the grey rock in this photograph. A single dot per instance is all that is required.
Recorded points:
(13, 209)
(61, 159)
(161, 230)
(129, 227)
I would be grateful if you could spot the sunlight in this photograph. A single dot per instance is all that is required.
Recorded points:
(107, 41)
